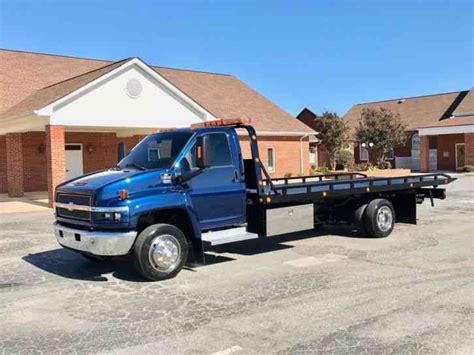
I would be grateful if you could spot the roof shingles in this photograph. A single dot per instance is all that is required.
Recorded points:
(49, 94)
(31, 81)
(415, 112)
(467, 105)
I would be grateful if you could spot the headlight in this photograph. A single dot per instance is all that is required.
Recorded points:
(112, 216)
(119, 214)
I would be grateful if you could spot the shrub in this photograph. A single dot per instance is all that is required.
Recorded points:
(287, 175)
(345, 159)
(361, 167)
(318, 170)
(384, 165)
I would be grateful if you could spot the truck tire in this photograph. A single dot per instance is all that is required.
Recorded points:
(379, 218)
(161, 251)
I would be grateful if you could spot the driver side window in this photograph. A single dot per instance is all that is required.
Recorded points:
(217, 152)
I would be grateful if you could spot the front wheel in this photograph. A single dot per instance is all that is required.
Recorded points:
(379, 218)
(161, 251)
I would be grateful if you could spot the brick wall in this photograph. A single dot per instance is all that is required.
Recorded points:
(3, 165)
(469, 145)
(104, 155)
(424, 154)
(103, 145)
(14, 164)
(287, 153)
(323, 157)
(55, 159)
(307, 117)
(35, 176)
(130, 142)
(446, 150)
(404, 150)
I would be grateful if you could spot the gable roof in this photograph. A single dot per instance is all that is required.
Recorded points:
(466, 107)
(30, 80)
(454, 121)
(45, 96)
(307, 117)
(415, 112)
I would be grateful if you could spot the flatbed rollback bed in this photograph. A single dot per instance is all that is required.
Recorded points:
(335, 198)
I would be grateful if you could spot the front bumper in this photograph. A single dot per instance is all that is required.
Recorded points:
(97, 243)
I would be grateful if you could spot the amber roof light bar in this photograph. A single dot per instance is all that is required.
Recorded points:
(222, 122)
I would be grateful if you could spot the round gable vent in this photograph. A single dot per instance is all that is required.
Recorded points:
(134, 88)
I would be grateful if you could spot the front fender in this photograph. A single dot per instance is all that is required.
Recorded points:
(166, 201)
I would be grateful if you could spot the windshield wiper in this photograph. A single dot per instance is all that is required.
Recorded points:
(133, 165)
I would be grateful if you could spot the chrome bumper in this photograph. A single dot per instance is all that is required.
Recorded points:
(97, 243)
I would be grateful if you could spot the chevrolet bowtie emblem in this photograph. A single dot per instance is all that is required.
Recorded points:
(70, 206)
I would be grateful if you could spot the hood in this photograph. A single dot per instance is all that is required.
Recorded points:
(98, 179)
(105, 185)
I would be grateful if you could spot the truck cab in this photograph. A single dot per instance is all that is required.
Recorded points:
(189, 180)
(180, 189)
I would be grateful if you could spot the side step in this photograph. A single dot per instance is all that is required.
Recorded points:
(227, 236)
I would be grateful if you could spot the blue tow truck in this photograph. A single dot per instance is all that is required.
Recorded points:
(182, 190)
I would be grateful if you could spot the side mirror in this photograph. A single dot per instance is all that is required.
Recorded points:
(201, 152)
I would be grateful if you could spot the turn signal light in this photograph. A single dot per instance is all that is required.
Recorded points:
(123, 194)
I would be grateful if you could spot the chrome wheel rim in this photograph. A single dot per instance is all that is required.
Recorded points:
(384, 218)
(164, 253)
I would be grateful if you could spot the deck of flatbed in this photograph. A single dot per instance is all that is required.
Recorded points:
(317, 188)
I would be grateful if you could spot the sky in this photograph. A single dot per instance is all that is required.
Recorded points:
(324, 55)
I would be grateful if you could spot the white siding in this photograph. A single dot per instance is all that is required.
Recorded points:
(109, 105)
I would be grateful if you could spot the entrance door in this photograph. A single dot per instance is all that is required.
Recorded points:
(433, 159)
(74, 162)
(460, 156)
(415, 152)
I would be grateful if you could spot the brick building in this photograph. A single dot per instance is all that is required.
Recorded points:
(317, 155)
(62, 116)
(441, 131)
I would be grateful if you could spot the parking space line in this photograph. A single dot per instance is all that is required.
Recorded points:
(228, 351)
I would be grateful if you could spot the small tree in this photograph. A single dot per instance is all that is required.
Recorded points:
(381, 130)
(345, 158)
(332, 133)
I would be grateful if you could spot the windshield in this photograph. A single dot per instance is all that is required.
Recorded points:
(157, 151)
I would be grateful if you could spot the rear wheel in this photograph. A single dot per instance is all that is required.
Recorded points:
(379, 218)
(161, 250)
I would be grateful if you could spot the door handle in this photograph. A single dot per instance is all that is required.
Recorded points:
(236, 176)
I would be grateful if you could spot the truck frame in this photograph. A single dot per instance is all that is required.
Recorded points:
(165, 224)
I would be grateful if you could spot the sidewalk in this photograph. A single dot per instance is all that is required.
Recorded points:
(31, 202)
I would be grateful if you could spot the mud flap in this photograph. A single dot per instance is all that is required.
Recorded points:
(405, 207)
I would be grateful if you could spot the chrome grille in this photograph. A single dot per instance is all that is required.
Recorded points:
(76, 199)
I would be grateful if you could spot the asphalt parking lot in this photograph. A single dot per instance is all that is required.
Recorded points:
(327, 291)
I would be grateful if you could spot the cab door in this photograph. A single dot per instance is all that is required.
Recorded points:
(218, 193)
